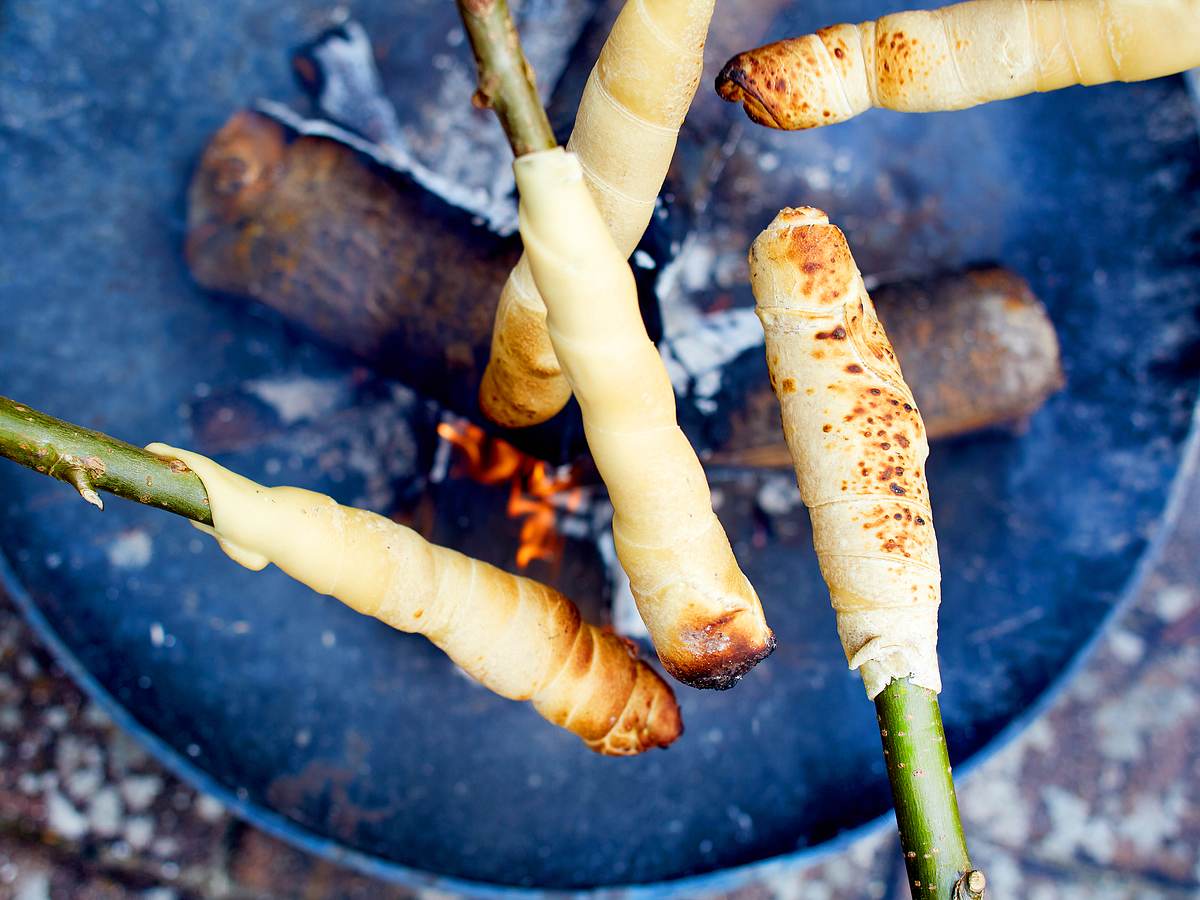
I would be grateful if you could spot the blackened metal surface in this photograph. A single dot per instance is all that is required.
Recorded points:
(368, 739)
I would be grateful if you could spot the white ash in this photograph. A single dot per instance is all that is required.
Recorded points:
(689, 270)
(131, 549)
(574, 524)
(696, 358)
(626, 620)
(374, 441)
(471, 152)
(464, 158)
(445, 450)
(396, 157)
(298, 398)
(357, 83)
(778, 494)
(704, 389)
(573, 515)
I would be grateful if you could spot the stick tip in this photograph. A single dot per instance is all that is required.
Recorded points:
(79, 476)
(92, 497)
(971, 886)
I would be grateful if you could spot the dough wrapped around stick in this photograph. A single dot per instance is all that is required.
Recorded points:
(518, 638)
(960, 56)
(625, 133)
(858, 446)
(702, 614)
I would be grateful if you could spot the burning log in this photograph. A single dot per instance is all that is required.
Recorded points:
(344, 247)
(976, 347)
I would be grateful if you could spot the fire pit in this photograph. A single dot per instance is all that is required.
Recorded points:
(367, 745)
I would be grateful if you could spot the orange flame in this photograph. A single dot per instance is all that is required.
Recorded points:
(487, 461)
(535, 493)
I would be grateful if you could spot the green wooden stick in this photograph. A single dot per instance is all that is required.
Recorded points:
(506, 80)
(90, 462)
(918, 766)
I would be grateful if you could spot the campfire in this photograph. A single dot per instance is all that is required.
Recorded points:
(538, 492)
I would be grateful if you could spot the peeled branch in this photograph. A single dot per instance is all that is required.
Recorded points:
(960, 56)
(858, 446)
(625, 132)
(702, 614)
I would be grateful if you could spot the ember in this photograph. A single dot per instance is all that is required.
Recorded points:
(537, 493)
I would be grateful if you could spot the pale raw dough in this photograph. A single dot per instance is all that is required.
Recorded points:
(702, 614)
(625, 133)
(517, 637)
